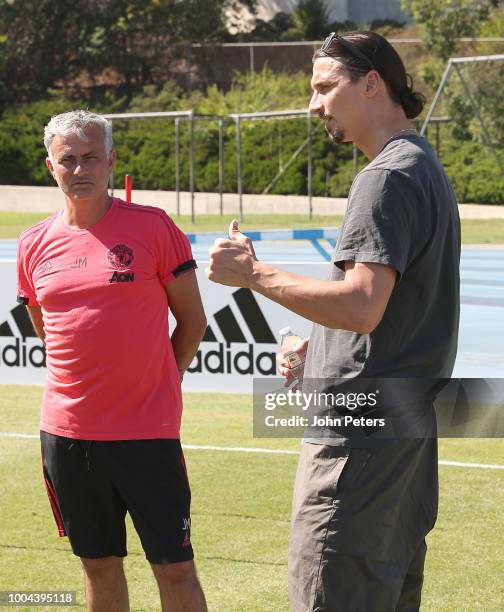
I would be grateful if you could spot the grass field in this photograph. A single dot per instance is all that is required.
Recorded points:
(241, 505)
(13, 223)
(474, 231)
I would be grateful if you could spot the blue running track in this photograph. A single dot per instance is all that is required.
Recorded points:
(481, 341)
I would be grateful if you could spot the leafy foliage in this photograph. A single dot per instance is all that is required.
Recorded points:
(443, 21)
(470, 168)
(311, 19)
(481, 81)
(494, 25)
(146, 149)
(474, 171)
(44, 43)
(263, 91)
(22, 150)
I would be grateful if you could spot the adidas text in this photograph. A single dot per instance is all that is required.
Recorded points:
(226, 361)
(18, 354)
(122, 277)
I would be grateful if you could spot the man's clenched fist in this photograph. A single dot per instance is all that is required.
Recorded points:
(232, 261)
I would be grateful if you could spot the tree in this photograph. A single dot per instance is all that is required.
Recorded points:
(274, 29)
(311, 19)
(41, 42)
(47, 42)
(443, 21)
(495, 24)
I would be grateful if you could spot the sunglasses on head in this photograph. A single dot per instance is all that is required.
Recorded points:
(353, 50)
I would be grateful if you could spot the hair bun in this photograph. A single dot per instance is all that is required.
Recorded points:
(411, 101)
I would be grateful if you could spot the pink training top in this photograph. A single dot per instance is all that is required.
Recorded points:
(111, 371)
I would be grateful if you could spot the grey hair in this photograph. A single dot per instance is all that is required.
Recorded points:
(74, 122)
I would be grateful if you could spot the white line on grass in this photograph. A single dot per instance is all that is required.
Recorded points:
(5, 434)
(269, 451)
(243, 449)
(486, 466)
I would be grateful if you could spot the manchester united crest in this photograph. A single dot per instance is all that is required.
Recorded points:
(120, 257)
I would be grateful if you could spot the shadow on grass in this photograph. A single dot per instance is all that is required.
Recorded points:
(248, 561)
(138, 554)
(244, 516)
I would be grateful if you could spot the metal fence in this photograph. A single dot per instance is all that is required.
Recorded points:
(189, 116)
(253, 46)
(217, 62)
(453, 64)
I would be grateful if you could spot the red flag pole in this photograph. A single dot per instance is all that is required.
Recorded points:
(128, 186)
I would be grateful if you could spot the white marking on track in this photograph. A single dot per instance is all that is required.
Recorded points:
(269, 451)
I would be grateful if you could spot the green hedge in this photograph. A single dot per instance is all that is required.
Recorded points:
(475, 173)
(146, 150)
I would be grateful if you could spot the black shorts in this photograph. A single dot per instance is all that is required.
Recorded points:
(91, 485)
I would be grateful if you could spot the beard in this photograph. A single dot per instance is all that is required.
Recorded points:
(335, 133)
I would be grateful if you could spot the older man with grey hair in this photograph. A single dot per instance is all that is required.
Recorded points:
(98, 278)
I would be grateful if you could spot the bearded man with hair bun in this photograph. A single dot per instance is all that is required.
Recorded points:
(389, 310)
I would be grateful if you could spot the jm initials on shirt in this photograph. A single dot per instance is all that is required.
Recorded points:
(80, 262)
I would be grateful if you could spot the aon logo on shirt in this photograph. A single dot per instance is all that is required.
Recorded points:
(122, 277)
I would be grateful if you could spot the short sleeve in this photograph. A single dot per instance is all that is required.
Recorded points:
(379, 223)
(173, 251)
(25, 288)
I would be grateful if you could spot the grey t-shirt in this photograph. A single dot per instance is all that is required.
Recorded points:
(402, 212)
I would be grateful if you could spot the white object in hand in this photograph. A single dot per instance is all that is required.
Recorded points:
(287, 343)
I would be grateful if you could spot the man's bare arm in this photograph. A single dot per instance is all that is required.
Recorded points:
(185, 303)
(356, 303)
(35, 314)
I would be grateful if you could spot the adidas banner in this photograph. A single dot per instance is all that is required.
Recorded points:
(240, 342)
(22, 355)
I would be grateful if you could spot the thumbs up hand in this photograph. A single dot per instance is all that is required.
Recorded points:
(232, 261)
(234, 229)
